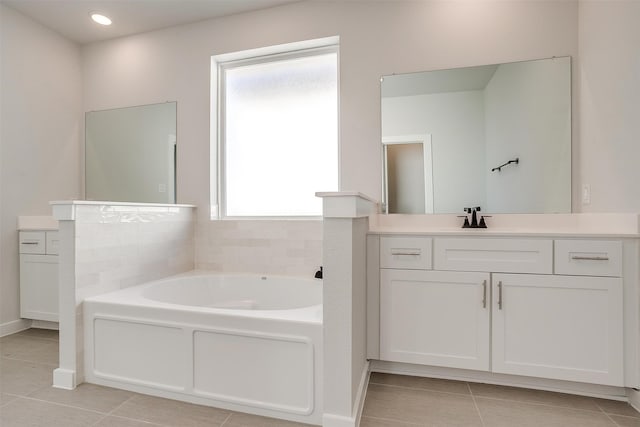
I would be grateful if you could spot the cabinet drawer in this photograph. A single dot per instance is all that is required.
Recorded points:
(53, 243)
(32, 242)
(412, 253)
(494, 255)
(588, 257)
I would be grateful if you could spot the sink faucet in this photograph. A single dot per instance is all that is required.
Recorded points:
(474, 219)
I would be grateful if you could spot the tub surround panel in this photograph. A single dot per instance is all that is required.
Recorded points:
(261, 361)
(282, 247)
(106, 246)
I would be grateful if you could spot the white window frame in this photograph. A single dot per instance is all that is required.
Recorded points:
(219, 63)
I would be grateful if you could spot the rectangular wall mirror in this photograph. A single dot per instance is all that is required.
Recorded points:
(495, 136)
(130, 154)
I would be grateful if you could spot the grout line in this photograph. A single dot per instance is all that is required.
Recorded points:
(475, 404)
(120, 405)
(60, 404)
(132, 419)
(393, 420)
(99, 421)
(611, 419)
(226, 419)
(54, 365)
(421, 389)
(550, 405)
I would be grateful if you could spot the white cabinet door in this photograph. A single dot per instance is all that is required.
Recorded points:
(39, 287)
(561, 327)
(435, 318)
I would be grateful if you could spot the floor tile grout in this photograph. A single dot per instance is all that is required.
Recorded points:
(226, 419)
(475, 404)
(55, 365)
(121, 405)
(612, 420)
(421, 389)
(392, 420)
(59, 404)
(550, 405)
(99, 421)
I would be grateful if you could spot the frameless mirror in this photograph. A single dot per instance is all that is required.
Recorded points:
(130, 154)
(495, 136)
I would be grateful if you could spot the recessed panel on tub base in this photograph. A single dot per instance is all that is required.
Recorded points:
(265, 370)
(141, 353)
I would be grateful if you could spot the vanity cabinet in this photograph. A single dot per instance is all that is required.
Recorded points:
(561, 327)
(534, 307)
(39, 275)
(438, 318)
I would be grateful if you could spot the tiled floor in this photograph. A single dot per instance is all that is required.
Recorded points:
(27, 399)
(402, 401)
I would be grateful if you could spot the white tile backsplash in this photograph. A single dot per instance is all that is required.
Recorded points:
(121, 246)
(281, 247)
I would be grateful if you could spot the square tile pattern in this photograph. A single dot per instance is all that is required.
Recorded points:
(27, 399)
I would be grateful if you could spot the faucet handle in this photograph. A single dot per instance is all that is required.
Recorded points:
(482, 223)
(466, 221)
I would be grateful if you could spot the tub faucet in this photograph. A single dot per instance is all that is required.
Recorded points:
(319, 273)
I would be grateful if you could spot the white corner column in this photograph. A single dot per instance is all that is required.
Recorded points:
(344, 247)
(69, 372)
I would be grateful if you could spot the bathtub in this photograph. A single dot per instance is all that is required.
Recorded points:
(245, 343)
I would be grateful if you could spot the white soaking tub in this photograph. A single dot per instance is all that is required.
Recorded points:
(240, 342)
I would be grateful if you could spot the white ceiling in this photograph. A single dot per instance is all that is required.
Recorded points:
(71, 17)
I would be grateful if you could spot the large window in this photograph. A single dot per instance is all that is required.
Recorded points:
(278, 135)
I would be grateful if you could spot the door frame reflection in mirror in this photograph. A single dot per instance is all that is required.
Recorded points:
(427, 163)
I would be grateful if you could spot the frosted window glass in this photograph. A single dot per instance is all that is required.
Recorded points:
(281, 133)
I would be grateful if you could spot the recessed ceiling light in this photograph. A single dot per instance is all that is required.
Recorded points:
(100, 19)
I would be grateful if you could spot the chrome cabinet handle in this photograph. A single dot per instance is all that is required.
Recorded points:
(29, 243)
(402, 251)
(484, 294)
(590, 258)
(500, 295)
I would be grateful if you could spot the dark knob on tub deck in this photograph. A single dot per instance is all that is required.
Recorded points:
(319, 273)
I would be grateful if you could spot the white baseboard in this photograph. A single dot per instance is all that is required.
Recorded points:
(634, 398)
(583, 389)
(64, 379)
(44, 324)
(332, 420)
(14, 326)
(362, 393)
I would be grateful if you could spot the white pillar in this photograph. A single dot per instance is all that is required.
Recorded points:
(344, 300)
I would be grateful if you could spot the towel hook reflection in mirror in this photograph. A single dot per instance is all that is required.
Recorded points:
(499, 168)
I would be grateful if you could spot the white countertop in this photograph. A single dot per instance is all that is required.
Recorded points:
(37, 223)
(617, 225)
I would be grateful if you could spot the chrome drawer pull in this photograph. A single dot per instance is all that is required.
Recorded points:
(590, 258)
(484, 294)
(413, 252)
(29, 243)
(500, 295)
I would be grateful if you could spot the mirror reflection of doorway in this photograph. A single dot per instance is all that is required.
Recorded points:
(408, 174)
